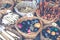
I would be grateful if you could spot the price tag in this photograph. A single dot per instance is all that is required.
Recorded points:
(54, 24)
(9, 11)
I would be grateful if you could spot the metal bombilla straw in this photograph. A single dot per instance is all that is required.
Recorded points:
(41, 9)
(38, 5)
(42, 13)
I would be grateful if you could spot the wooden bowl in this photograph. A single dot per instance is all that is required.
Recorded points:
(32, 34)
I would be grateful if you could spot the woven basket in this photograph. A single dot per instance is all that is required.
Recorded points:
(44, 20)
(42, 37)
(24, 4)
(32, 34)
(3, 11)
